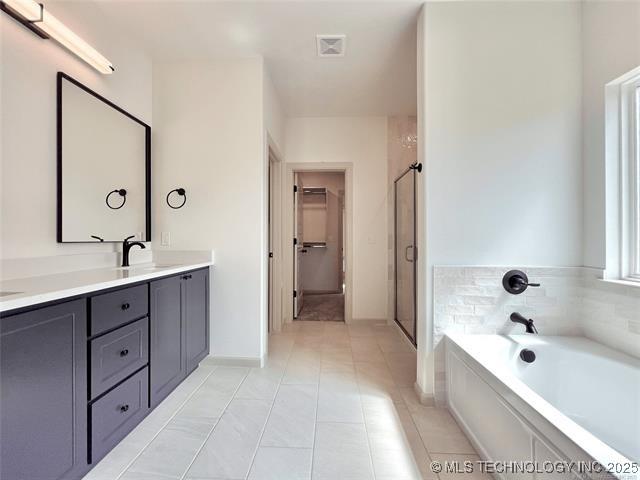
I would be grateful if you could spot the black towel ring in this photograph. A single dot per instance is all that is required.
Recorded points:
(120, 191)
(180, 191)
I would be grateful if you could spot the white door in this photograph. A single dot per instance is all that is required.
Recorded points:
(298, 241)
(271, 220)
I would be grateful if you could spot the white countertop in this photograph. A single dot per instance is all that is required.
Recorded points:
(34, 290)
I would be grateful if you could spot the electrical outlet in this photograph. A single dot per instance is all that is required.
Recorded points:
(165, 239)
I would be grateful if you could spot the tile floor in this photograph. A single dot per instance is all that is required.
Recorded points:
(326, 306)
(333, 402)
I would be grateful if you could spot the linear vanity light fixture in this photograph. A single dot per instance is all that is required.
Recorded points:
(36, 18)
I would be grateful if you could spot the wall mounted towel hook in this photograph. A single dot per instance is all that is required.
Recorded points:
(120, 191)
(180, 191)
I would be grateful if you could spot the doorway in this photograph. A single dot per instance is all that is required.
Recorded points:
(405, 251)
(319, 246)
(274, 261)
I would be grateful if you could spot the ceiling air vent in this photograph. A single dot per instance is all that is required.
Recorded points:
(331, 45)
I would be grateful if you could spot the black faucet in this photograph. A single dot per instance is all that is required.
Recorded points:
(528, 323)
(126, 247)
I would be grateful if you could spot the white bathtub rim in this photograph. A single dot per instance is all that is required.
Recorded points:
(584, 440)
(550, 436)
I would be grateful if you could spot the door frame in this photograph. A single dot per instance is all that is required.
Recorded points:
(287, 223)
(298, 192)
(274, 240)
(412, 337)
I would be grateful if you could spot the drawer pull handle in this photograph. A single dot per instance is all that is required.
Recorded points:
(187, 277)
(124, 408)
(125, 306)
(124, 352)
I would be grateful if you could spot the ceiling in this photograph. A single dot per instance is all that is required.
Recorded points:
(377, 76)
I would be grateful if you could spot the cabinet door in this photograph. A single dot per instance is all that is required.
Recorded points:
(195, 310)
(43, 393)
(167, 358)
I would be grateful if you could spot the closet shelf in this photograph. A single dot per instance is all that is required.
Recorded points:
(314, 244)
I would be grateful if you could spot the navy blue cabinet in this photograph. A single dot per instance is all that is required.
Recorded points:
(76, 377)
(179, 313)
(167, 356)
(117, 413)
(195, 314)
(43, 393)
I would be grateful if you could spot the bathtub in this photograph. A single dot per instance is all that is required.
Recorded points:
(578, 401)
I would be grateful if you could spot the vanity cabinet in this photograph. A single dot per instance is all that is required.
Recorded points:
(77, 376)
(179, 330)
(43, 393)
(167, 339)
(195, 292)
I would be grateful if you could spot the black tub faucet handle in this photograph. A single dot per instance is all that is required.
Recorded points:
(516, 282)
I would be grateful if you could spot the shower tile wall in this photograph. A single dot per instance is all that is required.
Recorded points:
(570, 301)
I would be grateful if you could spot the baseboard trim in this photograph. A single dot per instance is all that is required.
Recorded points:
(254, 362)
(425, 399)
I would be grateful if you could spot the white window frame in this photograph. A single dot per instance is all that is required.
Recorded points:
(633, 272)
(623, 178)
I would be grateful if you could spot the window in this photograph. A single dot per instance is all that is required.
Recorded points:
(634, 181)
(623, 177)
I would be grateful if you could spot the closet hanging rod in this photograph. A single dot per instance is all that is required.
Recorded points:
(314, 190)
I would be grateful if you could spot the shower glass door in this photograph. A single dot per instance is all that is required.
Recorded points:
(405, 253)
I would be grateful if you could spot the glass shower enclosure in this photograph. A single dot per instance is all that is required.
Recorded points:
(405, 252)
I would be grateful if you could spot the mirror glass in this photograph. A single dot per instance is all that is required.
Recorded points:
(103, 168)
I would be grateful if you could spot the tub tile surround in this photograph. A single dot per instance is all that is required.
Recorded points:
(570, 301)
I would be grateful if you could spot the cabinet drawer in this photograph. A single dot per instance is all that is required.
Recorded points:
(117, 413)
(112, 309)
(118, 354)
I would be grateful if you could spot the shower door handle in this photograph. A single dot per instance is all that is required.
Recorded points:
(406, 253)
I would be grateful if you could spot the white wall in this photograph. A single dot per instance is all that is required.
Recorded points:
(361, 141)
(501, 119)
(209, 137)
(274, 115)
(28, 132)
(611, 47)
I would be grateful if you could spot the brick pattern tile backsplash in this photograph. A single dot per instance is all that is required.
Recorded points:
(569, 301)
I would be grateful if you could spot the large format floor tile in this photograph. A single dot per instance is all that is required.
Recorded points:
(275, 463)
(440, 432)
(229, 451)
(341, 451)
(172, 451)
(333, 402)
(293, 417)
(339, 398)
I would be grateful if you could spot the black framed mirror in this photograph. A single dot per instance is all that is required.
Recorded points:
(104, 168)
